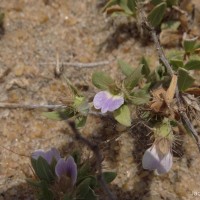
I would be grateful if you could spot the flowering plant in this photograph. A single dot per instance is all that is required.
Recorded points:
(60, 178)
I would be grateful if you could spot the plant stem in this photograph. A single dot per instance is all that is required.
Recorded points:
(185, 120)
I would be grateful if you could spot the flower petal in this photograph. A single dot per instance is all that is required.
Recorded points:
(106, 105)
(99, 99)
(60, 168)
(150, 159)
(165, 164)
(107, 102)
(52, 153)
(48, 155)
(117, 101)
(40, 152)
(71, 169)
(68, 168)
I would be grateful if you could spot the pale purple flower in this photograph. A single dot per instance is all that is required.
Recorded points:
(67, 167)
(47, 155)
(154, 159)
(107, 102)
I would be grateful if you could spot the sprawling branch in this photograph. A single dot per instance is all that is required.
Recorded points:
(185, 120)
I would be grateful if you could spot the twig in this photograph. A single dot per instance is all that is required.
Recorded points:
(98, 156)
(79, 64)
(30, 106)
(184, 117)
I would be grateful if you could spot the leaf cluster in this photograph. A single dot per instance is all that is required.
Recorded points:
(48, 186)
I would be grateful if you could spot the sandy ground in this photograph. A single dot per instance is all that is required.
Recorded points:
(35, 32)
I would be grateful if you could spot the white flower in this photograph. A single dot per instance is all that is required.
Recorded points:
(158, 157)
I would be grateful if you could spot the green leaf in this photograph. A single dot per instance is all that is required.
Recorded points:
(91, 195)
(123, 4)
(171, 25)
(46, 193)
(156, 2)
(109, 176)
(34, 183)
(192, 65)
(175, 63)
(156, 15)
(127, 70)
(80, 121)
(172, 2)
(84, 171)
(81, 105)
(175, 55)
(189, 44)
(132, 80)
(102, 81)
(123, 115)
(140, 97)
(132, 5)
(184, 79)
(43, 170)
(83, 188)
(145, 69)
(60, 115)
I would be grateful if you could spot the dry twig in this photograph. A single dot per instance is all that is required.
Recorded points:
(30, 106)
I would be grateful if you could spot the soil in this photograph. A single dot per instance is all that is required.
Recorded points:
(34, 33)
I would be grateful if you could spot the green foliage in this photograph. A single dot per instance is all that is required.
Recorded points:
(176, 64)
(86, 183)
(60, 115)
(140, 97)
(172, 2)
(184, 79)
(133, 79)
(189, 44)
(123, 115)
(145, 69)
(171, 25)
(128, 6)
(102, 81)
(192, 65)
(156, 15)
(126, 69)
(43, 170)
(109, 176)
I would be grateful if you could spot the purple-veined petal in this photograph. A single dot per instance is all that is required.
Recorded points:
(48, 155)
(52, 153)
(150, 159)
(99, 99)
(71, 169)
(40, 152)
(60, 168)
(67, 167)
(165, 164)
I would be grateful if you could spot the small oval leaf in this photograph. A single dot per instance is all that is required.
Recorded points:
(123, 115)
(156, 15)
(192, 65)
(184, 79)
(102, 81)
